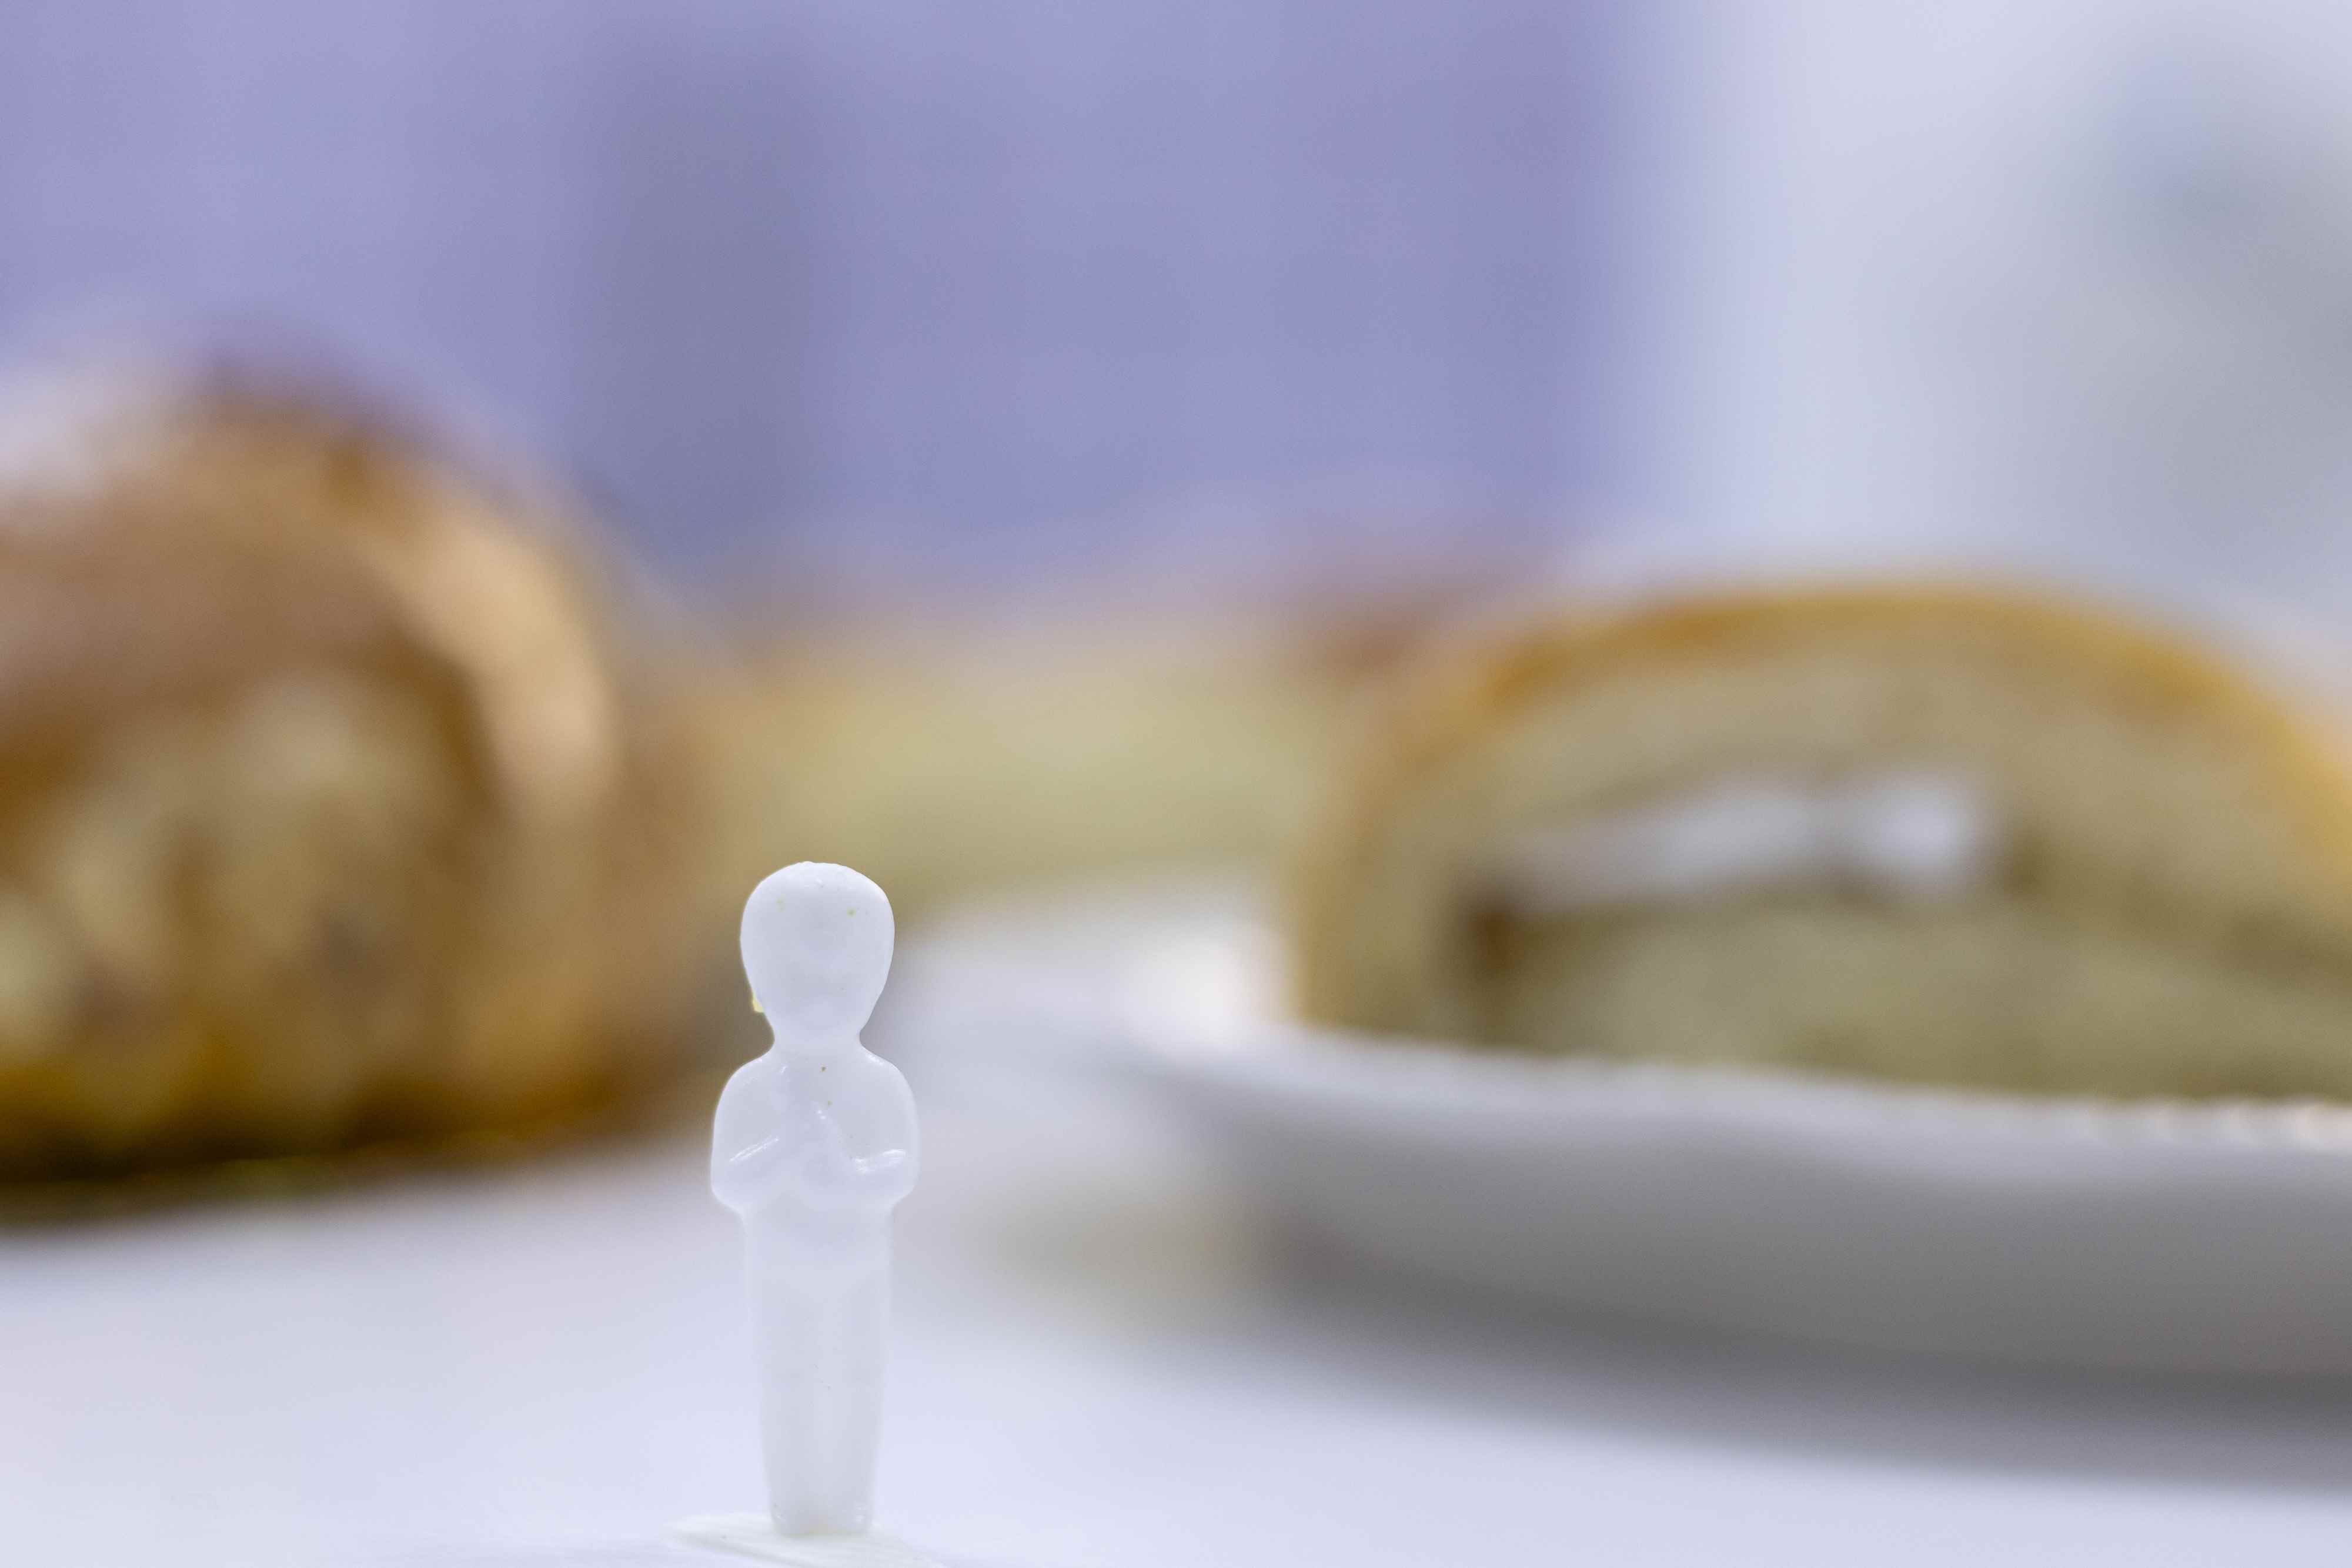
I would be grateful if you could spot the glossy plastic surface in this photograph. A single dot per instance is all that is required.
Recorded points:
(814, 1143)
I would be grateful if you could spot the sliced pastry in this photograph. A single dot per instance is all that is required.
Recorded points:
(1951, 835)
(330, 804)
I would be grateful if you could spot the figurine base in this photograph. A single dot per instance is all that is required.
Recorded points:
(753, 1535)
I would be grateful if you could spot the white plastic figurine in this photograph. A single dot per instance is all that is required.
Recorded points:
(815, 1143)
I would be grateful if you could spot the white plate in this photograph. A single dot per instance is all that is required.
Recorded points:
(2207, 1235)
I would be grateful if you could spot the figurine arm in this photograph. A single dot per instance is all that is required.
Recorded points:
(828, 1179)
(831, 1177)
(748, 1165)
(872, 1180)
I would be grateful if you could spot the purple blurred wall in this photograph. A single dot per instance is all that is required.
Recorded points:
(885, 286)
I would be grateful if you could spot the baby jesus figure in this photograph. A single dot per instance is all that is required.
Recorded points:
(813, 1145)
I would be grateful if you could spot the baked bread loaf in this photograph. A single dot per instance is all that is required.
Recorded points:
(327, 810)
(1952, 835)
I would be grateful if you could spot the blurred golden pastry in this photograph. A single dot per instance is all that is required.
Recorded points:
(330, 809)
(992, 764)
(1951, 835)
(952, 752)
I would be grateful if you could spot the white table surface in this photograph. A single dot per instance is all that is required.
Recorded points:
(1100, 1359)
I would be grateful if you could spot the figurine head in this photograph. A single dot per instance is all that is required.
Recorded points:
(816, 946)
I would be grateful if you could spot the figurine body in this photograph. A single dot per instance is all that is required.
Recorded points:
(814, 1144)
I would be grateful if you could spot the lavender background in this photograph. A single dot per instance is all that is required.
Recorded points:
(894, 288)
